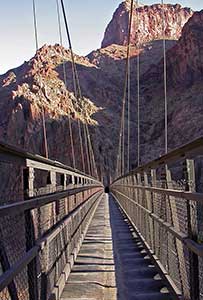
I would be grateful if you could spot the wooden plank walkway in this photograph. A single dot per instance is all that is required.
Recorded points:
(112, 263)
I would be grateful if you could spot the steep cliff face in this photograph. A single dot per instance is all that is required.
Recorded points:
(184, 91)
(184, 59)
(147, 23)
(186, 66)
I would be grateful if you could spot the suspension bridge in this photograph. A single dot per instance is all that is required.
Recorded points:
(64, 235)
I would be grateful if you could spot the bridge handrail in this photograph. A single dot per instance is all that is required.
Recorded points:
(14, 154)
(190, 149)
(36, 202)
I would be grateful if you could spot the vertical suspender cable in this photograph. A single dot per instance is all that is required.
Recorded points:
(92, 152)
(76, 86)
(165, 79)
(37, 46)
(94, 167)
(87, 152)
(35, 24)
(129, 96)
(126, 83)
(61, 39)
(138, 90)
(118, 163)
(59, 24)
(45, 134)
(85, 127)
(65, 81)
(121, 153)
(81, 146)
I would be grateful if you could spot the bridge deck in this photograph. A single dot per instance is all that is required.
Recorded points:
(112, 263)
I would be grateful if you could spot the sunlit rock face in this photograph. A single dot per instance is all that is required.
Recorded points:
(39, 86)
(147, 23)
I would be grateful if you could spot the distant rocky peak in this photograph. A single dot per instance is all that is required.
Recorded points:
(56, 55)
(150, 20)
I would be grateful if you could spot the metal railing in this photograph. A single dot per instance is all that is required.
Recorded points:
(164, 201)
(45, 209)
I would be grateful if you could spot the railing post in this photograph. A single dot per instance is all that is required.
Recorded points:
(149, 207)
(64, 181)
(53, 181)
(139, 193)
(30, 234)
(153, 183)
(192, 231)
(66, 199)
(136, 200)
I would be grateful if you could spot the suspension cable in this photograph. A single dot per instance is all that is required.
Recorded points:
(45, 133)
(127, 77)
(92, 153)
(79, 94)
(129, 98)
(61, 39)
(75, 82)
(65, 81)
(138, 91)
(37, 47)
(94, 167)
(122, 124)
(81, 145)
(118, 164)
(35, 24)
(87, 152)
(165, 79)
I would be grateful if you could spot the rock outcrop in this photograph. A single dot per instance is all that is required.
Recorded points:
(147, 23)
(36, 86)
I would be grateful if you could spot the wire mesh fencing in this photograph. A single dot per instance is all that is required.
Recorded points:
(165, 206)
(45, 209)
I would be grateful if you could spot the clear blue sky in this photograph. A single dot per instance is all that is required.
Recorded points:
(87, 20)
